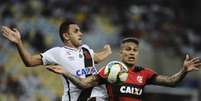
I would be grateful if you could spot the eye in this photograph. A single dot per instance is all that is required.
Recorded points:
(128, 49)
(135, 49)
(76, 30)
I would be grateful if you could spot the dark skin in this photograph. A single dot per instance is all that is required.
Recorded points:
(128, 55)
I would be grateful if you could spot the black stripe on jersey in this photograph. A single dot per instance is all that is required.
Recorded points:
(115, 92)
(88, 62)
(85, 94)
(113, 96)
(68, 84)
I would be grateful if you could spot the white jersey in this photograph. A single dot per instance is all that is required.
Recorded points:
(73, 61)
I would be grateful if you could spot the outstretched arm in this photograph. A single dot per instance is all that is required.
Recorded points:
(81, 83)
(100, 56)
(14, 36)
(188, 66)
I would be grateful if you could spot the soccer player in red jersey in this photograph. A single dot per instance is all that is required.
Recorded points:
(138, 77)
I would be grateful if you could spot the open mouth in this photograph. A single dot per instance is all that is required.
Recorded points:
(131, 58)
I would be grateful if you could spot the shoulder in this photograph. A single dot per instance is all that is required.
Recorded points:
(138, 68)
(144, 69)
(54, 50)
(148, 69)
(85, 46)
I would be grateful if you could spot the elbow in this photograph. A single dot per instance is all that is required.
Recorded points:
(175, 84)
(29, 64)
(172, 84)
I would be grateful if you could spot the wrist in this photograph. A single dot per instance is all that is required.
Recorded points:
(184, 70)
(18, 43)
(109, 52)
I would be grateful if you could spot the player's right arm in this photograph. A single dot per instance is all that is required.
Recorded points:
(14, 36)
(81, 83)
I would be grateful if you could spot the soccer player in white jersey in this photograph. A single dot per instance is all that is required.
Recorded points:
(75, 57)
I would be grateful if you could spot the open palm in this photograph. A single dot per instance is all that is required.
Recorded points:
(191, 64)
(56, 69)
(12, 35)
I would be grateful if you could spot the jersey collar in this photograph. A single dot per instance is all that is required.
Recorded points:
(71, 48)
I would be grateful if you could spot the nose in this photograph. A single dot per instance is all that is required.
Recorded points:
(132, 53)
(80, 33)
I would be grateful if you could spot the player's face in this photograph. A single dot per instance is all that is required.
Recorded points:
(129, 52)
(75, 36)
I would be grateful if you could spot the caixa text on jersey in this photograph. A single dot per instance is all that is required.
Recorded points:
(86, 71)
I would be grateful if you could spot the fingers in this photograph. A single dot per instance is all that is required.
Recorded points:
(197, 65)
(196, 69)
(6, 31)
(195, 60)
(187, 57)
(15, 29)
(107, 46)
(54, 68)
(50, 69)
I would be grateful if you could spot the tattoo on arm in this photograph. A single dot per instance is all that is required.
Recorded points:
(169, 80)
(82, 83)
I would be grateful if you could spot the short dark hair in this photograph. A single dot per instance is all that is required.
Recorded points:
(64, 27)
(130, 39)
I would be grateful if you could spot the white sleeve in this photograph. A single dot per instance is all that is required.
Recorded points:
(49, 56)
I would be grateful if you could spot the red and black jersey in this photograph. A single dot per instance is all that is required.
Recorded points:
(132, 89)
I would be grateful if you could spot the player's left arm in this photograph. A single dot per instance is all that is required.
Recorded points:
(81, 83)
(100, 56)
(189, 65)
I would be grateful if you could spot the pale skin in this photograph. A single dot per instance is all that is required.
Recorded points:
(128, 54)
(72, 38)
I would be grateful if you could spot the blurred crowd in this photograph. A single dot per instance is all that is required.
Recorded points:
(161, 25)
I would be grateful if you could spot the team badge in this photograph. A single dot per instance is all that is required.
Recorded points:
(80, 56)
(140, 79)
(68, 53)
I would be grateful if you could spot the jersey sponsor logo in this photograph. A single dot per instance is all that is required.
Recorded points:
(131, 90)
(140, 79)
(86, 71)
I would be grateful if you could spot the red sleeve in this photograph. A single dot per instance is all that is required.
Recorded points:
(102, 78)
(150, 74)
(101, 73)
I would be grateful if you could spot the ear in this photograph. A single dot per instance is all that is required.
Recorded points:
(66, 36)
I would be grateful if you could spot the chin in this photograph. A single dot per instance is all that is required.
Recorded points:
(130, 63)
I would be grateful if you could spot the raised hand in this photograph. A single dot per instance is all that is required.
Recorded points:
(56, 69)
(108, 49)
(12, 35)
(191, 64)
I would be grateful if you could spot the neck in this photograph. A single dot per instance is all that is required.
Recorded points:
(69, 44)
(129, 65)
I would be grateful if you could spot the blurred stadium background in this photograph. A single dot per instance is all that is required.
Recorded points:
(168, 29)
